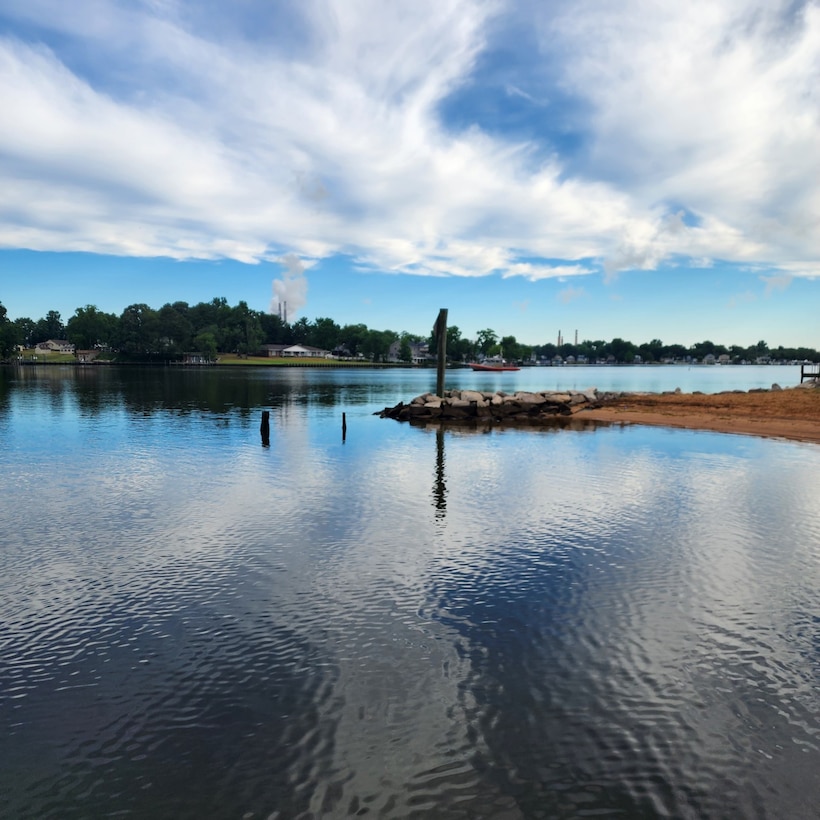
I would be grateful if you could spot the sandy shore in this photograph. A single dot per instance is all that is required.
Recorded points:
(793, 413)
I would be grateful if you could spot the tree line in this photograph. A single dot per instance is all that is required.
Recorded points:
(142, 333)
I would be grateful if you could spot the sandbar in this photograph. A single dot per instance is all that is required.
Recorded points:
(792, 413)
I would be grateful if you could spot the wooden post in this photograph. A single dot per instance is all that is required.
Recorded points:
(441, 342)
(344, 426)
(264, 428)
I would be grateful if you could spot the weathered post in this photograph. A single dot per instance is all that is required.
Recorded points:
(440, 329)
(344, 426)
(264, 428)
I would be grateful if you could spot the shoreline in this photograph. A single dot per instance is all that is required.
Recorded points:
(792, 413)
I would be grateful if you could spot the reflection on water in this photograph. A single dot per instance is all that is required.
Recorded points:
(439, 486)
(409, 623)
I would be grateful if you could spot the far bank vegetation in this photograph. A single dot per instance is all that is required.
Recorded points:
(215, 330)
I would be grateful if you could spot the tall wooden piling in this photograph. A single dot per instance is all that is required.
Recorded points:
(264, 428)
(440, 329)
(344, 426)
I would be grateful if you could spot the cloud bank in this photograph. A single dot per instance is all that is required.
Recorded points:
(404, 136)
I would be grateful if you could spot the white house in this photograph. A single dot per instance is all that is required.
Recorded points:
(306, 351)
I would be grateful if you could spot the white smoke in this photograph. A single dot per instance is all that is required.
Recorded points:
(290, 292)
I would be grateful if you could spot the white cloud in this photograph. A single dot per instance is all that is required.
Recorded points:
(776, 283)
(145, 133)
(570, 294)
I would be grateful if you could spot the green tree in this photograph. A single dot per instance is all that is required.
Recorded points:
(274, 330)
(89, 327)
(622, 350)
(25, 331)
(9, 334)
(174, 328)
(138, 331)
(405, 351)
(301, 330)
(241, 332)
(51, 327)
(324, 334)
(486, 340)
(377, 344)
(353, 337)
(205, 343)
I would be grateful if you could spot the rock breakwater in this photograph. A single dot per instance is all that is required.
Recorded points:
(482, 406)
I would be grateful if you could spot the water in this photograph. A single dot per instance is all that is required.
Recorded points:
(617, 622)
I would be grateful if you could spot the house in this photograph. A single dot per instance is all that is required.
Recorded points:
(272, 351)
(86, 356)
(306, 351)
(724, 358)
(709, 358)
(419, 352)
(55, 346)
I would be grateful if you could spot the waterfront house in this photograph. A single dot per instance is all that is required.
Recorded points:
(272, 351)
(55, 346)
(306, 351)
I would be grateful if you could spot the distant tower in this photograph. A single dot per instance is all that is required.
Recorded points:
(286, 312)
(560, 340)
(576, 338)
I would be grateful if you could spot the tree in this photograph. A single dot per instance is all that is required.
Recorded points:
(241, 331)
(622, 350)
(174, 329)
(25, 331)
(51, 327)
(324, 334)
(486, 340)
(9, 334)
(89, 327)
(353, 337)
(205, 343)
(138, 331)
(300, 330)
(405, 351)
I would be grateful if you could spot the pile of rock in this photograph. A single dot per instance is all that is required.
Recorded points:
(467, 405)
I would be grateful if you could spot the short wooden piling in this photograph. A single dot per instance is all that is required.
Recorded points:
(264, 428)
(344, 426)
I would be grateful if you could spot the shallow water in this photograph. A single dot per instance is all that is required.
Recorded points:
(617, 622)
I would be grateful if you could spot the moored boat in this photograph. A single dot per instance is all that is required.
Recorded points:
(493, 368)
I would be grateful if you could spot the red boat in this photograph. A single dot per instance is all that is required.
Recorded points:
(493, 368)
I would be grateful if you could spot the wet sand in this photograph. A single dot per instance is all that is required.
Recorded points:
(792, 413)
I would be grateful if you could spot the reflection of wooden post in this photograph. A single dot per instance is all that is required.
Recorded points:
(439, 487)
(441, 340)
(264, 428)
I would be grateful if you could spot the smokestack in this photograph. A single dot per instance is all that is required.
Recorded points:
(559, 338)
(286, 312)
(576, 338)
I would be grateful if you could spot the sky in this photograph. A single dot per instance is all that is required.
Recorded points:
(644, 170)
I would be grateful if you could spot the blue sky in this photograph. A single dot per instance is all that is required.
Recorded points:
(646, 171)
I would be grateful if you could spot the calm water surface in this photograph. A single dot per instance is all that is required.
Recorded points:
(619, 622)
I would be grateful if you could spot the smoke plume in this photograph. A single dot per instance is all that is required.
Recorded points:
(291, 289)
